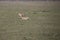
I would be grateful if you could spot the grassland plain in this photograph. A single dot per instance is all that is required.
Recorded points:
(44, 23)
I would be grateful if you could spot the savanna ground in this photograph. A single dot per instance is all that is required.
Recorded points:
(44, 23)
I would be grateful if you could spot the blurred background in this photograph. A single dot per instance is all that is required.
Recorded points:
(44, 23)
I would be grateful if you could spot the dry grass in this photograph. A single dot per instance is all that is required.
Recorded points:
(44, 23)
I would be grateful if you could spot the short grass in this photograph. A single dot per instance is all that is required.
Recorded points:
(44, 23)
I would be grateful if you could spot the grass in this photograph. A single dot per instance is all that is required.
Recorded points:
(44, 23)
